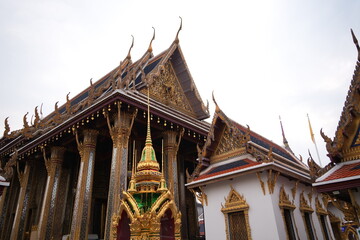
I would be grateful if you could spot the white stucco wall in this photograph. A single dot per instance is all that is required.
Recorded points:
(265, 218)
(261, 215)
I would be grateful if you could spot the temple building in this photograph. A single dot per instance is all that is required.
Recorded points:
(69, 174)
(259, 189)
(132, 157)
(340, 179)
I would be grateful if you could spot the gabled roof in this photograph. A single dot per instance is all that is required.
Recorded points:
(346, 144)
(343, 171)
(232, 149)
(342, 175)
(128, 76)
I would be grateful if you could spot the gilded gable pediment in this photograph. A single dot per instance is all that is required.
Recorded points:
(166, 89)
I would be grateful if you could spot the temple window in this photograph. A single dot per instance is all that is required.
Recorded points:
(324, 227)
(322, 215)
(308, 225)
(306, 212)
(236, 213)
(287, 208)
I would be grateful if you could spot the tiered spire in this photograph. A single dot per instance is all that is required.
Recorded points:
(147, 178)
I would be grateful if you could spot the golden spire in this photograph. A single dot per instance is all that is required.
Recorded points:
(148, 176)
(132, 184)
(163, 186)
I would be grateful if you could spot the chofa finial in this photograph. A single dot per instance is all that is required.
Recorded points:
(355, 40)
(153, 38)
(132, 45)
(7, 127)
(216, 105)
(177, 34)
(356, 43)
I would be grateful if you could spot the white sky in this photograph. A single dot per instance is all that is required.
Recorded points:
(262, 58)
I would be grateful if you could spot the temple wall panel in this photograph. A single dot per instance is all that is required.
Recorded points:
(265, 215)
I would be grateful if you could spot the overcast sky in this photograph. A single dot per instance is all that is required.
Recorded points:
(262, 58)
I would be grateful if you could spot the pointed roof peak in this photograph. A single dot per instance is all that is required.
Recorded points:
(285, 141)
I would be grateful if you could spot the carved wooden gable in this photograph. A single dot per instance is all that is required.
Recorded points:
(166, 88)
(229, 142)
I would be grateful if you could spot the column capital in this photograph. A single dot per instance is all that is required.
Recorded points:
(121, 130)
(90, 137)
(57, 154)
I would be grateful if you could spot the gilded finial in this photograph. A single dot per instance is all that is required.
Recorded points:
(153, 38)
(177, 34)
(37, 117)
(7, 127)
(216, 105)
(68, 104)
(148, 134)
(132, 45)
(56, 107)
(355, 40)
(26, 124)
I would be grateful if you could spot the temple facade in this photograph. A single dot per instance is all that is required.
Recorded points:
(252, 188)
(131, 157)
(71, 174)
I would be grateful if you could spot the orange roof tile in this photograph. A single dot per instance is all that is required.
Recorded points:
(345, 171)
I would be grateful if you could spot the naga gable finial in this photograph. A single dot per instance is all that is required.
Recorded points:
(7, 127)
(68, 104)
(217, 109)
(153, 38)
(26, 124)
(37, 117)
(177, 34)
(132, 45)
(355, 40)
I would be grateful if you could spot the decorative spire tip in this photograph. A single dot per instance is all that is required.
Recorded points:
(177, 34)
(153, 38)
(132, 45)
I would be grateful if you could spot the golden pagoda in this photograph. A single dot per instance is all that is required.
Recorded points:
(147, 209)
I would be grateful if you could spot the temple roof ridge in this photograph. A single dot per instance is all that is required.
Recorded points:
(340, 145)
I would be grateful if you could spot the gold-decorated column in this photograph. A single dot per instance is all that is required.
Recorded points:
(171, 147)
(120, 133)
(53, 167)
(18, 227)
(82, 205)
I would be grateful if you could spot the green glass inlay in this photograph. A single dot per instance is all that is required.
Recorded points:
(145, 200)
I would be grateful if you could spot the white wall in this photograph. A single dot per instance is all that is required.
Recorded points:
(265, 218)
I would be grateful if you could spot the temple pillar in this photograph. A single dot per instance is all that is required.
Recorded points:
(2, 201)
(120, 133)
(18, 228)
(61, 203)
(54, 169)
(171, 146)
(9, 208)
(81, 213)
